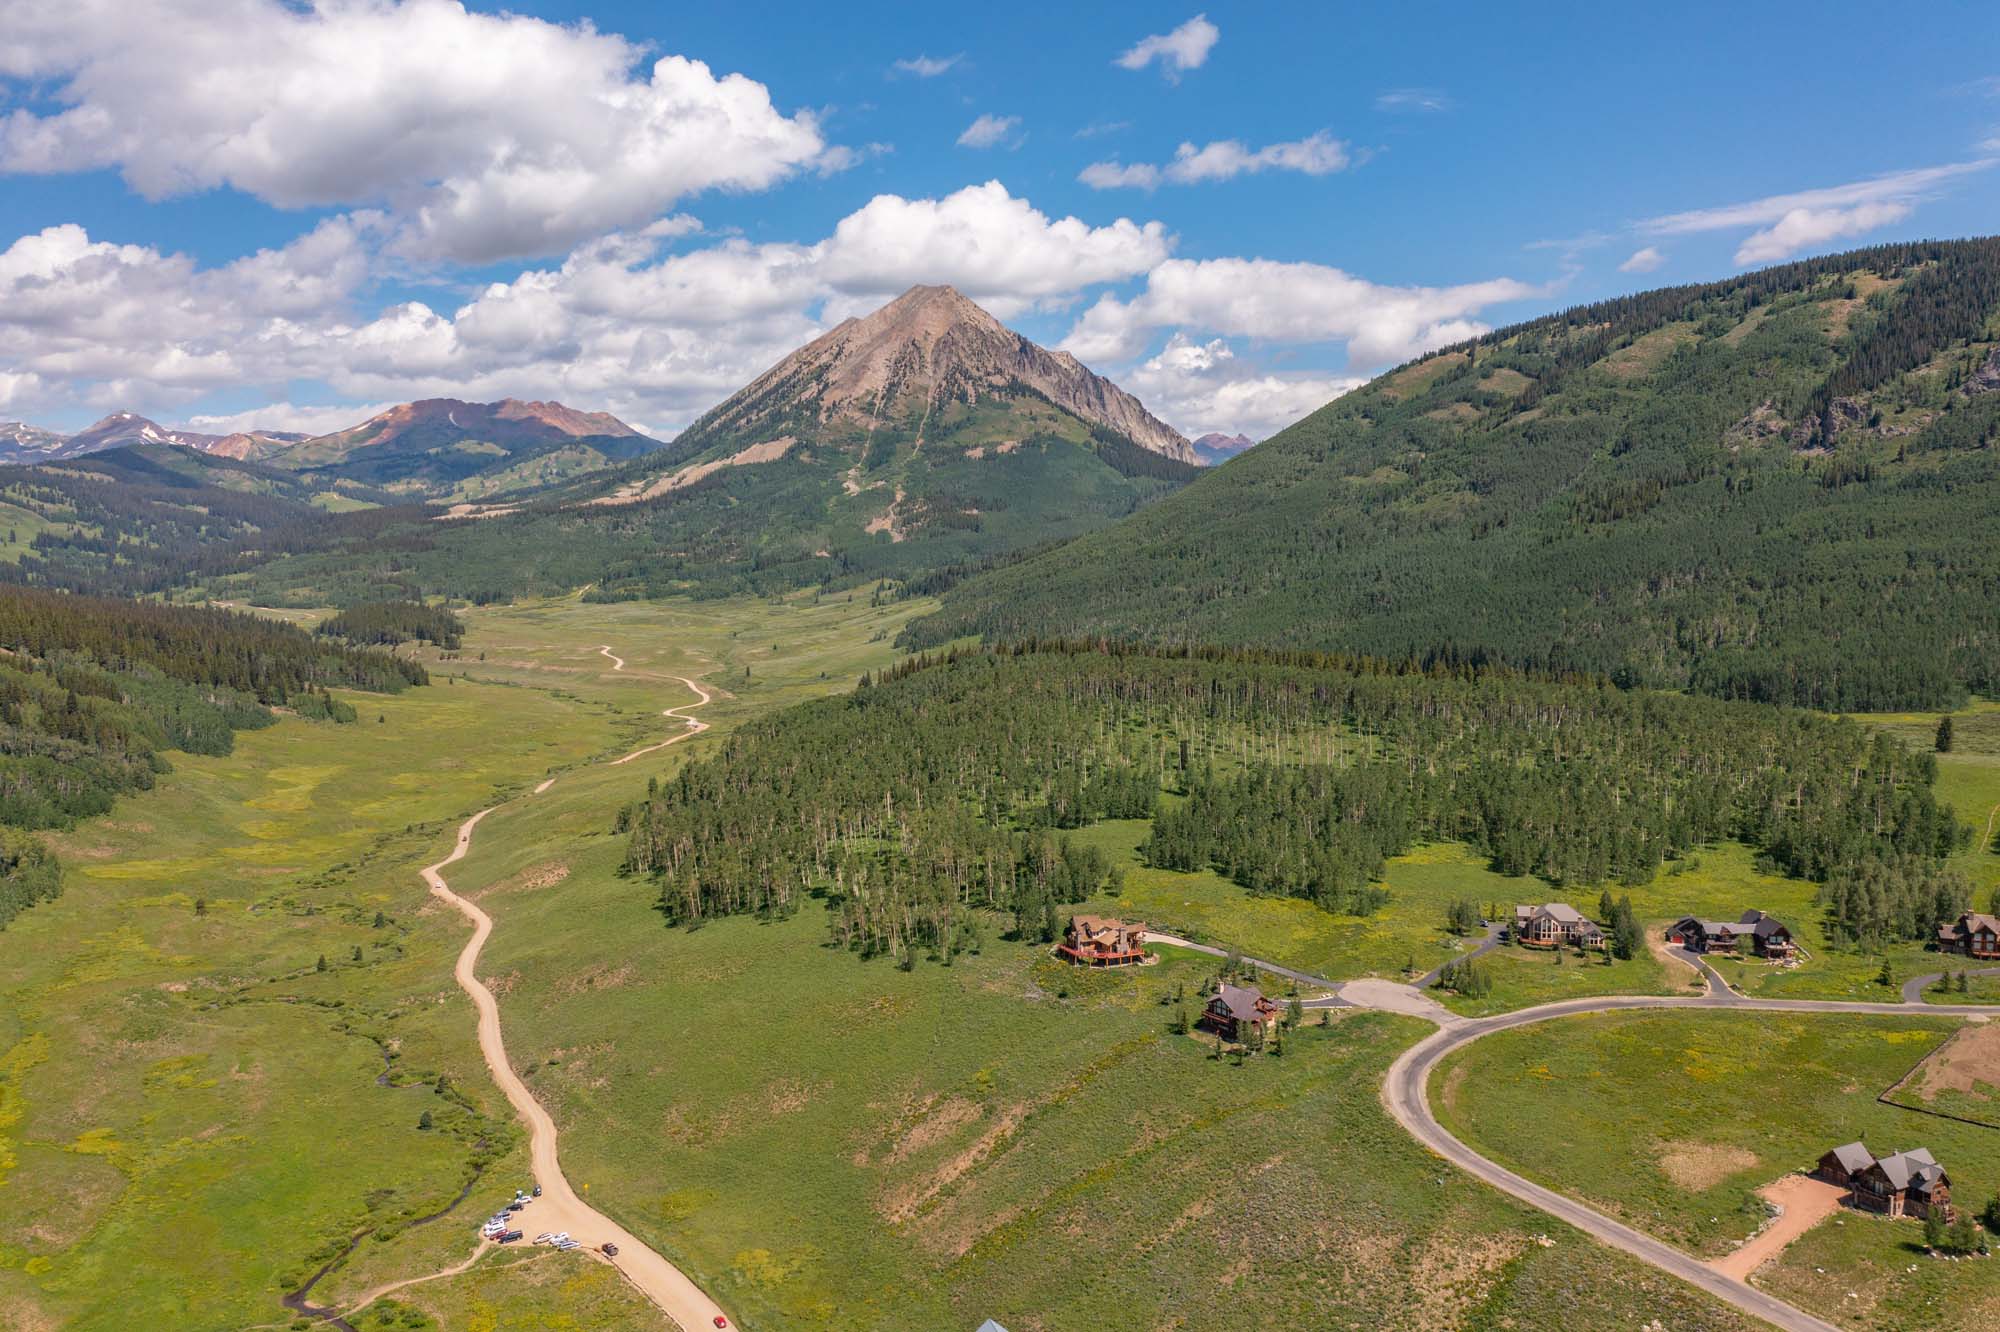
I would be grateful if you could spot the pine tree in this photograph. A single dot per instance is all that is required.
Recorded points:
(1944, 735)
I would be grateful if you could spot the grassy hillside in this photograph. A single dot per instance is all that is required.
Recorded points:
(1672, 1120)
(1779, 487)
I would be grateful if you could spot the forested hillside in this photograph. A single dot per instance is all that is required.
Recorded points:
(93, 691)
(152, 518)
(1782, 487)
(924, 436)
(925, 802)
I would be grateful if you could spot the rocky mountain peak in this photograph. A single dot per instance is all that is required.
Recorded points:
(925, 349)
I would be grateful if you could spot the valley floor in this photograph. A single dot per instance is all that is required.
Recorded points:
(819, 1141)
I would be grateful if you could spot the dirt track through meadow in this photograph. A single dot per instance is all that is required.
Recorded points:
(560, 1208)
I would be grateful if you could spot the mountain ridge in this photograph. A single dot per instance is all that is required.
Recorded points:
(1777, 487)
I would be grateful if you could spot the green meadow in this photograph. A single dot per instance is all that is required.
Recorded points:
(1670, 1121)
(195, 1117)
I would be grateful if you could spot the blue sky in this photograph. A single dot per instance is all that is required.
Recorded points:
(237, 212)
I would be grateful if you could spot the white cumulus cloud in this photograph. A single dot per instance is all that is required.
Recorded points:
(1316, 155)
(1289, 302)
(1204, 386)
(1643, 260)
(485, 136)
(621, 324)
(1183, 49)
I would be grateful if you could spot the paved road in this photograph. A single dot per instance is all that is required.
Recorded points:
(1486, 945)
(559, 1207)
(1716, 983)
(1914, 987)
(1406, 1095)
(1302, 977)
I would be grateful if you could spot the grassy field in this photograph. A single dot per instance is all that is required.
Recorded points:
(824, 1142)
(1670, 1121)
(831, 1143)
(188, 1177)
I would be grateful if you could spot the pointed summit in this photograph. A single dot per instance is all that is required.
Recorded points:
(916, 358)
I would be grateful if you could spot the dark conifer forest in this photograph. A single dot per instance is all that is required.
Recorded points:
(933, 802)
(1782, 488)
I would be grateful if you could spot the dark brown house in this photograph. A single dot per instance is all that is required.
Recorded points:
(1757, 933)
(1909, 1183)
(1099, 941)
(1975, 934)
(1235, 1010)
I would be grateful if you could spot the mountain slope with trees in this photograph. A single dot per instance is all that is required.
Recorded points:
(924, 436)
(94, 690)
(1781, 487)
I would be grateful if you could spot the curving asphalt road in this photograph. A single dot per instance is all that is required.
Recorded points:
(1914, 987)
(1406, 1094)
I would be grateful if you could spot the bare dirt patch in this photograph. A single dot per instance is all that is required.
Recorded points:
(769, 451)
(1695, 1166)
(1806, 1203)
(1458, 413)
(907, 1201)
(1966, 1068)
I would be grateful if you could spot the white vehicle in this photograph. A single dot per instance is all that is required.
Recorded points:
(567, 1245)
(544, 1237)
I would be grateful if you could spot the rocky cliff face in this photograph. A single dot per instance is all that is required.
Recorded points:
(928, 347)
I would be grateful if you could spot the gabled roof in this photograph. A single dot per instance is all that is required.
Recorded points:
(1240, 1003)
(1558, 911)
(1972, 921)
(1853, 1157)
(1914, 1166)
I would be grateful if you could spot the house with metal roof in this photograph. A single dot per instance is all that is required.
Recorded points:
(1910, 1183)
(1554, 924)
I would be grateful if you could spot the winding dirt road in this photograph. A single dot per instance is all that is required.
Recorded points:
(1406, 1094)
(559, 1207)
